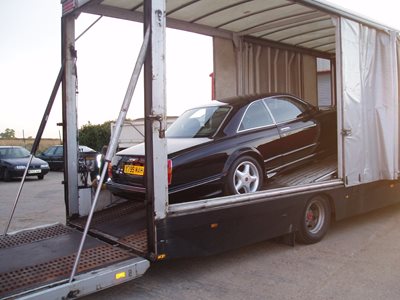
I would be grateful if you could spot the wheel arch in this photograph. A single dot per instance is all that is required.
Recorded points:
(331, 203)
(254, 153)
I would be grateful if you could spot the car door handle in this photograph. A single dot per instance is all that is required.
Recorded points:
(285, 128)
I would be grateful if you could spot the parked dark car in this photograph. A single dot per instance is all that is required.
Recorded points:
(13, 161)
(54, 155)
(231, 147)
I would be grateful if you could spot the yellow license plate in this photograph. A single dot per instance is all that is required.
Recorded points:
(134, 170)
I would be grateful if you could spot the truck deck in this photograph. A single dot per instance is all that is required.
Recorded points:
(123, 224)
(52, 251)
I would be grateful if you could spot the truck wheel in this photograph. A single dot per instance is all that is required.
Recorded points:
(244, 176)
(314, 221)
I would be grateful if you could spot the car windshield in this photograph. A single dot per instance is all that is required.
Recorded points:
(14, 152)
(198, 122)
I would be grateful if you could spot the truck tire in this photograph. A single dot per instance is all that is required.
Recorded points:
(314, 221)
(244, 176)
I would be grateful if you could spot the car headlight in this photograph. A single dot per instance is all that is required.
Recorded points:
(19, 167)
(98, 160)
(44, 166)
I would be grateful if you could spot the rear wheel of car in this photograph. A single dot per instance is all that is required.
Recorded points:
(244, 176)
(40, 177)
(314, 221)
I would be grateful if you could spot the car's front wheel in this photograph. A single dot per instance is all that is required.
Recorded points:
(244, 176)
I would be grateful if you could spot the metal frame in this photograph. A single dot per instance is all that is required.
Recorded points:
(153, 58)
(155, 120)
(70, 119)
(181, 208)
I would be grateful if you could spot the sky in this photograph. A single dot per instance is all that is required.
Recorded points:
(30, 58)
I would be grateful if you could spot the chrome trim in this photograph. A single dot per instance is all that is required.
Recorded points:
(255, 128)
(245, 198)
(269, 111)
(198, 183)
(324, 177)
(306, 127)
(299, 149)
(284, 134)
(290, 152)
(291, 163)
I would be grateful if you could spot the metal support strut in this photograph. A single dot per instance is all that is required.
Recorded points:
(37, 140)
(114, 142)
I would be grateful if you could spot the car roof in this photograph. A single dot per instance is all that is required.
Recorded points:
(239, 101)
(3, 147)
(86, 149)
(251, 97)
(82, 148)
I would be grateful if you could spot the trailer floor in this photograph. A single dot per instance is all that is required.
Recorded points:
(124, 224)
(318, 170)
(43, 256)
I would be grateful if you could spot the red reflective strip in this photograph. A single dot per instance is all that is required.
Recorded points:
(169, 171)
(68, 6)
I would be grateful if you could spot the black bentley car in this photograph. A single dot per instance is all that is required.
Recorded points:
(231, 147)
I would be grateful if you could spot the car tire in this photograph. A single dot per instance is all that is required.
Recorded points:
(244, 176)
(40, 177)
(314, 221)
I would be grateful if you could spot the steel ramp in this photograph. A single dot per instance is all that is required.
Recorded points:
(124, 224)
(38, 262)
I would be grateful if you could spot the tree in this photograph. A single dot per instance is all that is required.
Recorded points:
(8, 134)
(95, 136)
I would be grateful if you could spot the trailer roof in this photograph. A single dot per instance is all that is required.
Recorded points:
(302, 23)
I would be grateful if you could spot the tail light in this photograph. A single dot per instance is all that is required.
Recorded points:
(109, 170)
(169, 171)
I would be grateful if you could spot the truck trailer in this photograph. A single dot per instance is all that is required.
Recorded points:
(258, 47)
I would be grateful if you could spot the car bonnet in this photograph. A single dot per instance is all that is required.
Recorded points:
(173, 145)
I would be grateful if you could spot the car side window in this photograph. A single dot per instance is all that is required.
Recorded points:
(59, 151)
(256, 116)
(284, 109)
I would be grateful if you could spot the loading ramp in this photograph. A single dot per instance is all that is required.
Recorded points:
(123, 224)
(52, 251)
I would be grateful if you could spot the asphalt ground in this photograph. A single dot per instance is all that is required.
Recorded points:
(358, 259)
